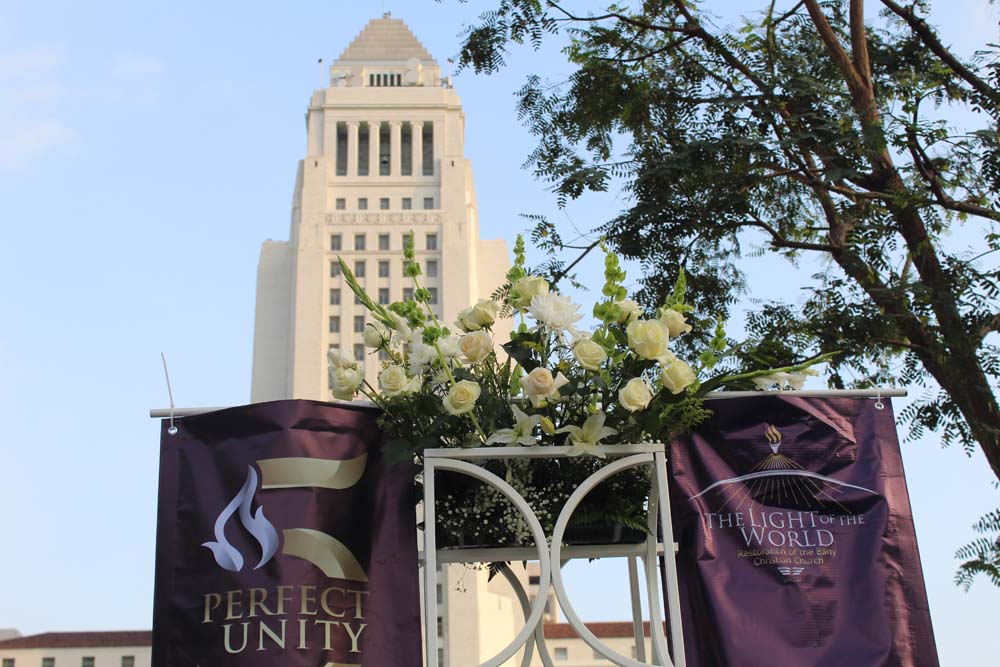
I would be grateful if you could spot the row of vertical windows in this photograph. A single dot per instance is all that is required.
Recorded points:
(412, 161)
(384, 242)
(431, 268)
(406, 203)
(380, 80)
(383, 298)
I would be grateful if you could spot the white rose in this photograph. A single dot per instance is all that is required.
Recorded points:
(539, 385)
(675, 321)
(676, 377)
(635, 395)
(376, 335)
(630, 311)
(344, 381)
(589, 354)
(461, 397)
(526, 289)
(474, 318)
(393, 381)
(476, 346)
(337, 359)
(648, 338)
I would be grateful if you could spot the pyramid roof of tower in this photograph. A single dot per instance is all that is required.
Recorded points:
(385, 39)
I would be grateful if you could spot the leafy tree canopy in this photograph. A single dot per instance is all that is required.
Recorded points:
(814, 130)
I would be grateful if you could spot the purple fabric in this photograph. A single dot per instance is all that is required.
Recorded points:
(803, 553)
(319, 619)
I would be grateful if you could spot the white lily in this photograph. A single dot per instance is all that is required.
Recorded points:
(521, 433)
(586, 438)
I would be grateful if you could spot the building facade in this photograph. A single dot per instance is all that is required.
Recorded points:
(384, 158)
(129, 648)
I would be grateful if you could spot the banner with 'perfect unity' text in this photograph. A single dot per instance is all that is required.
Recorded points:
(283, 540)
(797, 546)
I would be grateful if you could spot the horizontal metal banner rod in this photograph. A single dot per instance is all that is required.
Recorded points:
(513, 554)
(887, 392)
(537, 452)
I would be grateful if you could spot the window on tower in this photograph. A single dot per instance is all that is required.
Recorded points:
(383, 203)
(359, 268)
(407, 203)
(406, 149)
(335, 324)
(341, 203)
(383, 296)
(335, 297)
(364, 139)
(359, 324)
(341, 147)
(434, 294)
(384, 149)
(362, 203)
(359, 241)
(432, 268)
(428, 149)
(428, 202)
(383, 268)
(335, 242)
(383, 241)
(432, 242)
(407, 294)
(334, 269)
(359, 351)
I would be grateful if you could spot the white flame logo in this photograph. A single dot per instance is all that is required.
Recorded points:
(226, 555)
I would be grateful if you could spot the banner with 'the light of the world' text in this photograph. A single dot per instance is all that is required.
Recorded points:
(797, 546)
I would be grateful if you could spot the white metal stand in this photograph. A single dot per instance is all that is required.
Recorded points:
(551, 557)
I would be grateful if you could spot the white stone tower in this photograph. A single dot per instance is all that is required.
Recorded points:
(384, 156)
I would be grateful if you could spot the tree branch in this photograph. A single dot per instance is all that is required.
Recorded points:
(779, 241)
(586, 251)
(990, 326)
(861, 93)
(930, 38)
(629, 20)
(925, 167)
(859, 42)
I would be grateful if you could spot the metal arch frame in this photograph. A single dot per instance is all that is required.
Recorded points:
(431, 464)
(551, 557)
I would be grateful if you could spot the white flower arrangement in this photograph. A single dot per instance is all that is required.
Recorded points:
(553, 383)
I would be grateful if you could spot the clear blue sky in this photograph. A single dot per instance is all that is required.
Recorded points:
(146, 150)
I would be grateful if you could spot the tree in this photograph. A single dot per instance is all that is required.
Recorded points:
(869, 145)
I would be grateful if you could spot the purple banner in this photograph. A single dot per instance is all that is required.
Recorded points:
(797, 546)
(282, 539)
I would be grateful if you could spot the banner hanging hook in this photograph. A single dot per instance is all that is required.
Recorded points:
(879, 405)
(172, 430)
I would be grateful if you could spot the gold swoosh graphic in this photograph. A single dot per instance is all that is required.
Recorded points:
(325, 552)
(304, 471)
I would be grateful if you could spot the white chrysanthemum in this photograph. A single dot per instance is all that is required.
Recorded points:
(420, 358)
(555, 313)
(450, 347)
